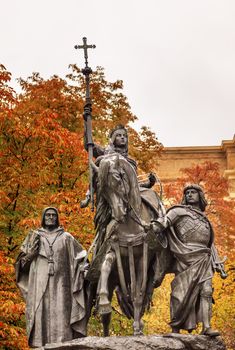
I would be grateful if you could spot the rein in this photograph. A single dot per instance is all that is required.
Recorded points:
(130, 207)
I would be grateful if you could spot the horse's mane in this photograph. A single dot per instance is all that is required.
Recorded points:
(118, 167)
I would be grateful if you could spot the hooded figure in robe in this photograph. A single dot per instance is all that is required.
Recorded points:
(50, 274)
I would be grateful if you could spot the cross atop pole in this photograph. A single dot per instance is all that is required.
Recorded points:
(85, 47)
(87, 116)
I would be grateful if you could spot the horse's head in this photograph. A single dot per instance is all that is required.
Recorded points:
(118, 185)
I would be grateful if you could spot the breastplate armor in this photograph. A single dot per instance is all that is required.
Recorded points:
(193, 228)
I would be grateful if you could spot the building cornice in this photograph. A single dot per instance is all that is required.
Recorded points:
(201, 149)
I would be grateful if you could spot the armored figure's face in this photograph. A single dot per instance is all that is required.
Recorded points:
(192, 197)
(50, 218)
(120, 138)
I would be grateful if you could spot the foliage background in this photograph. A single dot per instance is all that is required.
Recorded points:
(43, 162)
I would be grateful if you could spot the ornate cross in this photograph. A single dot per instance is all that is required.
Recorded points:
(85, 47)
(87, 115)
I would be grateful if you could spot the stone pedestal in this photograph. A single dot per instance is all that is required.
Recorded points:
(152, 342)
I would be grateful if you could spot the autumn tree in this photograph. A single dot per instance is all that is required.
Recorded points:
(12, 333)
(7, 94)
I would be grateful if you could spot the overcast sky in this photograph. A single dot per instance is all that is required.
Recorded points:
(176, 57)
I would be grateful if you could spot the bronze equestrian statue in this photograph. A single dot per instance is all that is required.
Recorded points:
(123, 260)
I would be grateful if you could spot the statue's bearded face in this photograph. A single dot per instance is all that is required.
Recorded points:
(120, 138)
(50, 218)
(192, 197)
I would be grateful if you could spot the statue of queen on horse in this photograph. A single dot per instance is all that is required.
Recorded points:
(127, 257)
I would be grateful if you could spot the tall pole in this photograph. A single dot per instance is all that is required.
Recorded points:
(87, 114)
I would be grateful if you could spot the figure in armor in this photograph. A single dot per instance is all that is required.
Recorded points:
(191, 242)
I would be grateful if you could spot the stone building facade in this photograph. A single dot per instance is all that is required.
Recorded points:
(175, 158)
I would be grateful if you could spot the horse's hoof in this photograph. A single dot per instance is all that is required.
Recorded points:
(138, 328)
(104, 305)
(104, 309)
(138, 332)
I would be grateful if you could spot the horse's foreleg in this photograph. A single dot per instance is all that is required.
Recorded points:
(104, 305)
(140, 291)
(137, 302)
(106, 318)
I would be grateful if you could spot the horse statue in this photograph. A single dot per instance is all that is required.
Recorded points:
(126, 252)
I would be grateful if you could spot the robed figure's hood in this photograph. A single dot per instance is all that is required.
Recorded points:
(43, 216)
